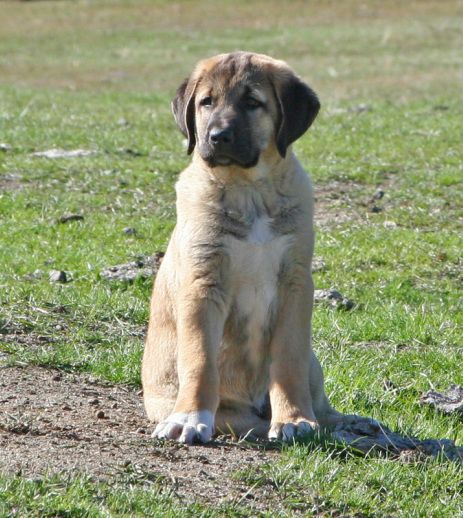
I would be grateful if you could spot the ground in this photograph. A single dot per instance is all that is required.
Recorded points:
(77, 423)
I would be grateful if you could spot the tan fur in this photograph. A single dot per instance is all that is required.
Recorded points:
(232, 302)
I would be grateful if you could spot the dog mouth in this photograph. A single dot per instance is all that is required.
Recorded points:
(223, 160)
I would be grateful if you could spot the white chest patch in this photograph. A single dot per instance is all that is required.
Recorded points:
(255, 264)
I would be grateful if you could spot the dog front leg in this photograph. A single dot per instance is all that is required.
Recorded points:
(200, 324)
(290, 394)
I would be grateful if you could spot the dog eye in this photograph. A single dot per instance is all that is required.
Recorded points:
(206, 101)
(252, 103)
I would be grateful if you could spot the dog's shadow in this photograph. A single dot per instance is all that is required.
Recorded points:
(366, 436)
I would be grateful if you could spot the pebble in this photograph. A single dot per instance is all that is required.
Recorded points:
(34, 276)
(100, 414)
(58, 276)
(334, 298)
(390, 224)
(144, 267)
(70, 217)
(379, 193)
(63, 153)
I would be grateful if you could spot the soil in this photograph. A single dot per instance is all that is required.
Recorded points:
(57, 422)
(11, 182)
(339, 202)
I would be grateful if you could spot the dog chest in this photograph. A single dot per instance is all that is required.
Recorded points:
(255, 263)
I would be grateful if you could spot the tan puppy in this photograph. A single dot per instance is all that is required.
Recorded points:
(229, 338)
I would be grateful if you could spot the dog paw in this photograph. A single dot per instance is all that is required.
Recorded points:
(287, 432)
(186, 427)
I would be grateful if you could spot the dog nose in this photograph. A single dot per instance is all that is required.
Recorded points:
(221, 136)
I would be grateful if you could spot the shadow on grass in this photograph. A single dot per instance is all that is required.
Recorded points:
(365, 437)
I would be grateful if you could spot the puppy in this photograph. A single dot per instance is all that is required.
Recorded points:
(229, 339)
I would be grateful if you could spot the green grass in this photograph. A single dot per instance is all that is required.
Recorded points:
(313, 482)
(100, 77)
(54, 496)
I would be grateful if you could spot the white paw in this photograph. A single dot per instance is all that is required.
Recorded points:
(287, 432)
(186, 427)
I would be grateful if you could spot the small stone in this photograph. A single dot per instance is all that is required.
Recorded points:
(130, 151)
(143, 267)
(334, 298)
(35, 275)
(66, 407)
(390, 224)
(100, 414)
(70, 217)
(60, 309)
(450, 401)
(379, 193)
(360, 108)
(4, 147)
(140, 430)
(122, 122)
(130, 231)
(57, 377)
(347, 304)
(318, 265)
(93, 401)
(63, 153)
(375, 209)
(58, 276)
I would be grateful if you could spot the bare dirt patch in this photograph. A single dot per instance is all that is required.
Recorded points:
(334, 204)
(57, 422)
(339, 202)
(11, 182)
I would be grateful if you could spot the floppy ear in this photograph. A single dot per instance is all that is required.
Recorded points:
(299, 105)
(183, 108)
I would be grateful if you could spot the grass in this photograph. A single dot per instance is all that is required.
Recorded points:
(314, 483)
(100, 76)
(81, 496)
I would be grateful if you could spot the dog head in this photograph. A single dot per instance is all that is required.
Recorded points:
(234, 106)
